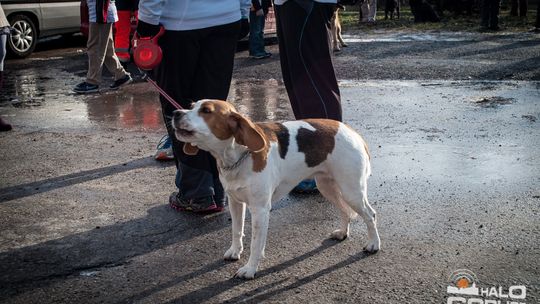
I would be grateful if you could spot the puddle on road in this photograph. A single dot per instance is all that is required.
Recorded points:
(261, 99)
(135, 107)
(42, 102)
(406, 37)
(446, 162)
(382, 36)
(430, 128)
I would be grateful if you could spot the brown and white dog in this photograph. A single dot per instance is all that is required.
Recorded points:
(337, 39)
(259, 163)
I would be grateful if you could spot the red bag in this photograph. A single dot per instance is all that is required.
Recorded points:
(146, 52)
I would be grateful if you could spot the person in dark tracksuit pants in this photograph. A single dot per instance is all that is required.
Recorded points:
(304, 32)
(489, 13)
(198, 56)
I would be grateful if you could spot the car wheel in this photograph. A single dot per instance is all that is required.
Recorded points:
(24, 36)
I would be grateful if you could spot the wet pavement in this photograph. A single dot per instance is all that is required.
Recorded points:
(83, 205)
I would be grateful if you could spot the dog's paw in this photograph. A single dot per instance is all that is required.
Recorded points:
(339, 235)
(373, 246)
(233, 254)
(246, 272)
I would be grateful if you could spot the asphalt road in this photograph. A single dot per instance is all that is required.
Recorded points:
(452, 125)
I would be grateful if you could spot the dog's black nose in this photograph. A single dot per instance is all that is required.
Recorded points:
(177, 115)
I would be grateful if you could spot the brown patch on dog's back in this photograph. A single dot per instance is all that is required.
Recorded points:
(316, 145)
(277, 132)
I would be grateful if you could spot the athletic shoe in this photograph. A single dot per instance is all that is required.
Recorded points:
(4, 126)
(85, 88)
(164, 149)
(262, 56)
(123, 57)
(306, 186)
(121, 82)
(200, 205)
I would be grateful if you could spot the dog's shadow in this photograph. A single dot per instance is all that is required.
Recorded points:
(37, 266)
(259, 293)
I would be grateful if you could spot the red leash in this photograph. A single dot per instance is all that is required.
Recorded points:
(163, 93)
(147, 55)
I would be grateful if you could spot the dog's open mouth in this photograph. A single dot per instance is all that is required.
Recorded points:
(184, 132)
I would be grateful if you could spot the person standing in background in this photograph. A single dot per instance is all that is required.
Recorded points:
(126, 10)
(489, 13)
(5, 29)
(100, 48)
(369, 11)
(519, 8)
(257, 16)
(305, 53)
(198, 48)
(537, 17)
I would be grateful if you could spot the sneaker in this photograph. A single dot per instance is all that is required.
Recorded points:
(262, 56)
(121, 82)
(200, 205)
(85, 88)
(123, 57)
(4, 126)
(306, 186)
(164, 149)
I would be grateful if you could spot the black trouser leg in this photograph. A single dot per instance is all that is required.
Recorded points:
(306, 59)
(196, 64)
(484, 13)
(538, 16)
(494, 14)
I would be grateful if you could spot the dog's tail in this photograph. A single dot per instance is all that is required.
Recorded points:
(368, 161)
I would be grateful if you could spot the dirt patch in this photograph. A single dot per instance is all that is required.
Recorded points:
(493, 101)
(530, 118)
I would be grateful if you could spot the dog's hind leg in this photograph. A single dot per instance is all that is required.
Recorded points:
(354, 192)
(329, 190)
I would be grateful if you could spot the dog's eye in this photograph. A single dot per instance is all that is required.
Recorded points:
(206, 110)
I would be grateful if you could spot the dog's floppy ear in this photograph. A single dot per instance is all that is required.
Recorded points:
(190, 149)
(245, 133)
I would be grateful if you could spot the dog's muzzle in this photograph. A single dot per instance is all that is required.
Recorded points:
(179, 127)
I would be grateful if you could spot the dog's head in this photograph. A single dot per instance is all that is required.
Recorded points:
(213, 125)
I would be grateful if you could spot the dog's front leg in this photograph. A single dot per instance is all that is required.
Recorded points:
(238, 215)
(259, 229)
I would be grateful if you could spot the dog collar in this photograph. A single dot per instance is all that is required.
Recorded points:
(238, 162)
